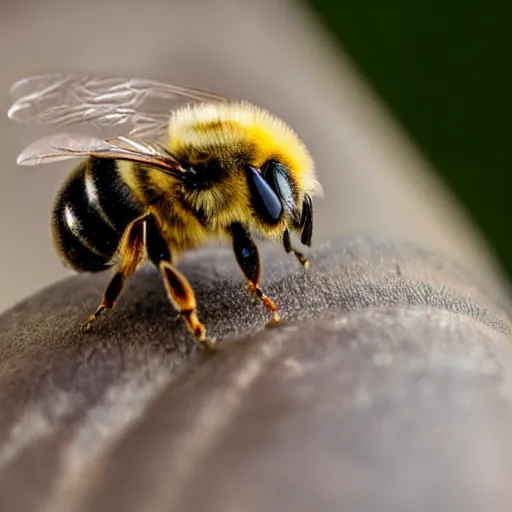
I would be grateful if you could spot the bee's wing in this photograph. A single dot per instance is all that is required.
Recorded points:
(132, 106)
(63, 146)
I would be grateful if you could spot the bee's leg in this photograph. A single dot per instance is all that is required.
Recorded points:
(248, 259)
(287, 243)
(306, 221)
(131, 253)
(178, 288)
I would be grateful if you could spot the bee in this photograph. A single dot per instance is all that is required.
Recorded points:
(180, 168)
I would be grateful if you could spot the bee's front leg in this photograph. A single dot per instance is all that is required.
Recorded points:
(248, 259)
(178, 288)
(287, 243)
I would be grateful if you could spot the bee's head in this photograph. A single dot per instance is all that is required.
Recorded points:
(216, 184)
(241, 164)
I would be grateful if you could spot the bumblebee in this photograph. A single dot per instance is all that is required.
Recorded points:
(181, 167)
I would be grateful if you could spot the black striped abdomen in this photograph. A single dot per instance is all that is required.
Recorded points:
(90, 214)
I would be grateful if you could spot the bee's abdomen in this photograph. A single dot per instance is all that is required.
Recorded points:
(91, 212)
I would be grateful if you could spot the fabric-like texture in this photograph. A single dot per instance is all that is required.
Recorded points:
(387, 387)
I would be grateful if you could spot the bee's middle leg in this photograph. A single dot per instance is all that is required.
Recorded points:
(178, 288)
(248, 259)
(131, 252)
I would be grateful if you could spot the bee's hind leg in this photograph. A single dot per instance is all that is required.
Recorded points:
(248, 259)
(178, 288)
(131, 253)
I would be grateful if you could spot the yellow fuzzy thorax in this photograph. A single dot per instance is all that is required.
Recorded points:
(227, 128)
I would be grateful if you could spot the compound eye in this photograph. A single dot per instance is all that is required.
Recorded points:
(264, 200)
(277, 176)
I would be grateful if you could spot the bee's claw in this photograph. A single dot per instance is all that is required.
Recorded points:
(274, 321)
(208, 343)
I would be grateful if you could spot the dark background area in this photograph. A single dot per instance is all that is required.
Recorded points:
(440, 68)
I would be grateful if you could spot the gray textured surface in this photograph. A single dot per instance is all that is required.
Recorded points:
(388, 387)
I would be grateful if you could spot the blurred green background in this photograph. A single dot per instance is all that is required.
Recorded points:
(440, 68)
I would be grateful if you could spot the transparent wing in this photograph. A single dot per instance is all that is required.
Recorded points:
(132, 106)
(64, 145)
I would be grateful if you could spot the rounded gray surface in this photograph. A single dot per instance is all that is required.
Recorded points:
(387, 387)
